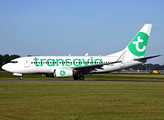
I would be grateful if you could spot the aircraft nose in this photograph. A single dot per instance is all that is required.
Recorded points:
(4, 67)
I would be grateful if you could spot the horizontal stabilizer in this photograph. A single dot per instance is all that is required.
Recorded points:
(146, 58)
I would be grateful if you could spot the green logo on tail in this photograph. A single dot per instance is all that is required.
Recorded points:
(138, 45)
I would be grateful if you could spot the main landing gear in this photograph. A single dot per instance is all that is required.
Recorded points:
(76, 77)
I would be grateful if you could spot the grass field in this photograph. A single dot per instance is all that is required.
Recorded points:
(81, 100)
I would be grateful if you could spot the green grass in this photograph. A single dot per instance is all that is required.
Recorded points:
(142, 77)
(81, 100)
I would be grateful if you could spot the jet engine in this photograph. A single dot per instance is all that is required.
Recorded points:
(61, 73)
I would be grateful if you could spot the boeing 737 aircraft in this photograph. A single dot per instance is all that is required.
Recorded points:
(77, 66)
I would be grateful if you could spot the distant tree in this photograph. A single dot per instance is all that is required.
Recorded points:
(14, 56)
(1, 61)
(6, 58)
(148, 67)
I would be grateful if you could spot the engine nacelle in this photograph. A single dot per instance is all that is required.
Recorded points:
(61, 73)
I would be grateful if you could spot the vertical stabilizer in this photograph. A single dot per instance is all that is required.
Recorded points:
(137, 47)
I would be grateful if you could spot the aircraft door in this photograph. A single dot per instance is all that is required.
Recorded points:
(26, 63)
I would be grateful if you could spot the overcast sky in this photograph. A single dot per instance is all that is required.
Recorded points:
(61, 27)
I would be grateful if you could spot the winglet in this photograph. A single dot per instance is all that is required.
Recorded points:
(86, 54)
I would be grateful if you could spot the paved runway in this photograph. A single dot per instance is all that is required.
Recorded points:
(35, 80)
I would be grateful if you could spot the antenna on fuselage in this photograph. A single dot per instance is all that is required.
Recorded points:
(86, 54)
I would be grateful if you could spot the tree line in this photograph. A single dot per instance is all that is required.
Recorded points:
(149, 66)
(7, 58)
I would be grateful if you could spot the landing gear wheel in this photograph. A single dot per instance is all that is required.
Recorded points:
(21, 78)
(75, 77)
(81, 77)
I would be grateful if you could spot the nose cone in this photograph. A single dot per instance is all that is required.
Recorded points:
(4, 67)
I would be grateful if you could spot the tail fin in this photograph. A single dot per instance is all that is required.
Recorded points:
(137, 47)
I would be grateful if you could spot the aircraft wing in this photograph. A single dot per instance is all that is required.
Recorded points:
(92, 67)
(98, 66)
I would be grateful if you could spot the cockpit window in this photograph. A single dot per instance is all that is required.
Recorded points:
(13, 61)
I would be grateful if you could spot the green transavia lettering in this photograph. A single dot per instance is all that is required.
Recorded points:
(66, 62)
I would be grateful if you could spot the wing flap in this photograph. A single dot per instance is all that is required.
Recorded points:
(91, 67)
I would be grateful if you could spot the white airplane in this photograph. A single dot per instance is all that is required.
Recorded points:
(77, 66)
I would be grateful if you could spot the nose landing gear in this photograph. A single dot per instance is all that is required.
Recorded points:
(21, 78)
